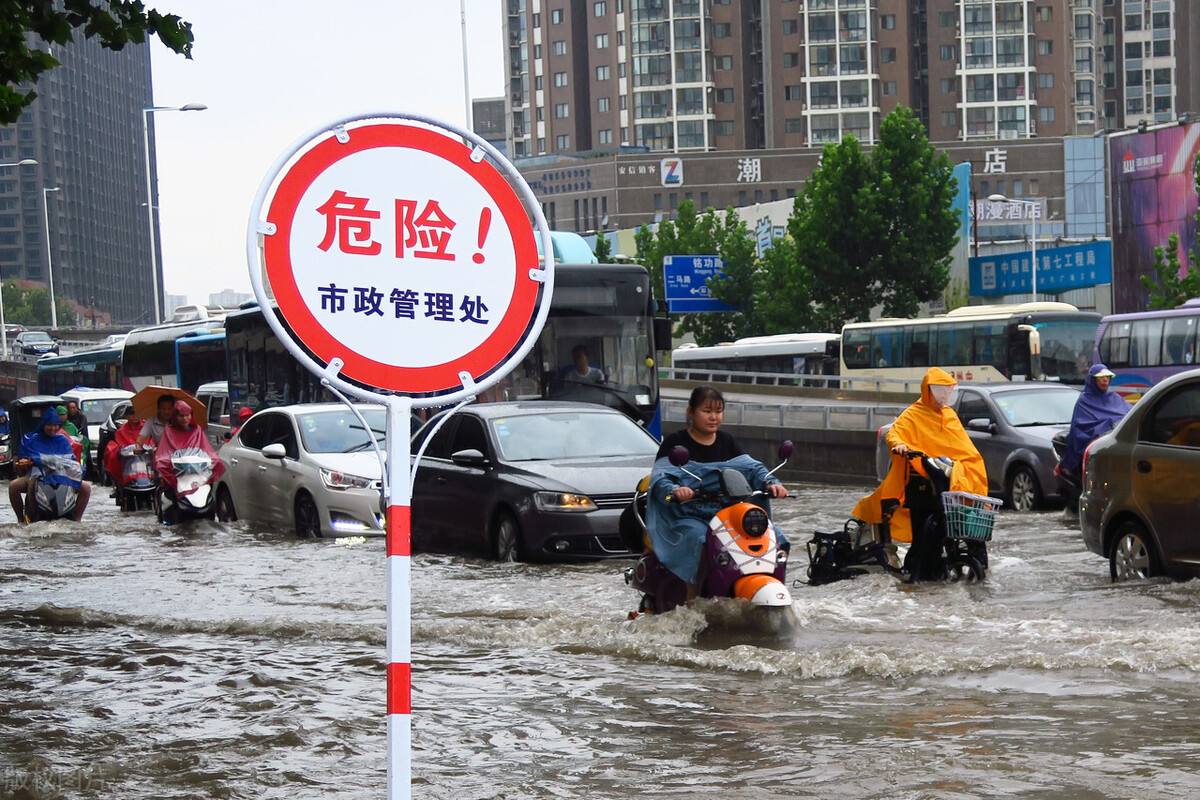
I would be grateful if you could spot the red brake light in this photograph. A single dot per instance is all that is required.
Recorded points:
(1086, 452)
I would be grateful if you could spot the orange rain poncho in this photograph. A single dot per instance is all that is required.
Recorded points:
(934, 431)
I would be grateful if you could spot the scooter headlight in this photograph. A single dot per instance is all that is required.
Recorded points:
(754, 522)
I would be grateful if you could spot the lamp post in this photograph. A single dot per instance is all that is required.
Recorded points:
(146, 112)
(24, 162)
(999, 198)
(46, 190)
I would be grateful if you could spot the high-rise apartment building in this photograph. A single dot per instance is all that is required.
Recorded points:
(695, 75)
(85, 131)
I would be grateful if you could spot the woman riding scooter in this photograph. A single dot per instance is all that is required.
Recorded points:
(677, 528)
(931, 426)
(1097, 411)
(182, 434)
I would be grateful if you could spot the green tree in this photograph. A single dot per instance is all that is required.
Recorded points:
(114, 23)
(870, 229)
(604, 253)
(1166, 288)
(31, 307)
(707, 234)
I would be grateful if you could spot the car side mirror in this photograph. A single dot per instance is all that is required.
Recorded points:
(228, 436)
(275, 450)
(982, 424)
(469, 458)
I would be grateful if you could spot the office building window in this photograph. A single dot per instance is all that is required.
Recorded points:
(1045, 47)
(792, 93)
(1045, 80)
(722, 30)
(603, 72)
(560, 48)
(601, 41)
(947, 85)
(560, 79)
(946, 52)
(556, 16)
(562, 110)
(600, 9)
(1045, 14)
(791, 59)
(603, 104)
(724, 95)
(889, 88)
(724, 62)
(1046, 114)
(887, 55)
(887, 22)
(563, 141)
(790, 27)
(794, 125)
(724, 127)
(605, 136)
(949, 119)
(945, 19)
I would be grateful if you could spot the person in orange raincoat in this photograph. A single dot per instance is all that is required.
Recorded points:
(932, 427)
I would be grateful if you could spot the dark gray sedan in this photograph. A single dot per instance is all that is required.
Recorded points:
(1011, 425)
(1140, 506)
(537, 481)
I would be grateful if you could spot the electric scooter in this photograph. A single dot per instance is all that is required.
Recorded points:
(193, 497)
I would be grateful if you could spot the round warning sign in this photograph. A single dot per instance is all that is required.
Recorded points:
(403, 252)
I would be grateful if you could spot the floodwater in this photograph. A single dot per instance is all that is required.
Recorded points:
(223, 661)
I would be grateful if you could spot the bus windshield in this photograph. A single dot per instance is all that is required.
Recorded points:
(1066, 349)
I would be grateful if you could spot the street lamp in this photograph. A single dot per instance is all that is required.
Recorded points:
(999, 198)
(150, 195)
(24, 162)
(46, 190)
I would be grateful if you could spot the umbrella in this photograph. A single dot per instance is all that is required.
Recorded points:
(145, 403)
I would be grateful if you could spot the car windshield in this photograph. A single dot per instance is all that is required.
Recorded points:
(339, 431)
(570, 434)
(1048, 407)
(37, 336)
(96, 410)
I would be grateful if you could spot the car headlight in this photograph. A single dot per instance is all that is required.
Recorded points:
(562, 501)
(334, 479)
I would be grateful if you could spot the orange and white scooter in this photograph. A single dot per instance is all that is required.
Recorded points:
(743, 556)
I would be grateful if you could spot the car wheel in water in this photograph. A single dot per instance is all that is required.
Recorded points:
(1132, 555)
(308, 518)
(506, 540)
(1024, 494)
(225, 510)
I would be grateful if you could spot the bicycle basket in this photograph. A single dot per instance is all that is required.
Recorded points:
(969, 516)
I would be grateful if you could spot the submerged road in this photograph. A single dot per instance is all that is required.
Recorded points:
(226, 661)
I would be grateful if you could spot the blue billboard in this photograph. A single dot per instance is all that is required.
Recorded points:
(685, 284)
(1059, 269)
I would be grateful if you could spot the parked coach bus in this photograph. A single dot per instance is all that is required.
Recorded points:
(98, 368)
(1144, 347)
(784, 353)
(1043, 341)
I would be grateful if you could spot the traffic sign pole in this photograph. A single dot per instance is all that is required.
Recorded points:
(398, 527)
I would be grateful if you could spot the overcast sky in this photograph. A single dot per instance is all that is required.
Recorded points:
(271, 71)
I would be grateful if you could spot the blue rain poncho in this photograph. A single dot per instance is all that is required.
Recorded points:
(677, 530)
(52, 456)
(1096, 413)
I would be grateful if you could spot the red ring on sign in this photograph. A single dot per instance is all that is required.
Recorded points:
(277, 258)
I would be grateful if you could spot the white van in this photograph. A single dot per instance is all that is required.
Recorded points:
(96, 405)
(215, 397)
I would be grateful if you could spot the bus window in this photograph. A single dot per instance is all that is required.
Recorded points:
(856, 348)
(1179, 341)
(918, 350)
(1114, 345)
(990, 345)
(886, 346)
(954, 345)
(1145, 341)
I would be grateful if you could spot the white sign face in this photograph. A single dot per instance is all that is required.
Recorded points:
(398, 253)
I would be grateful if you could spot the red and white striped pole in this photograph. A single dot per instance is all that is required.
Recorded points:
(398, 527)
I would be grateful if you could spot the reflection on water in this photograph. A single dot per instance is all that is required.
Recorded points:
(228, 661)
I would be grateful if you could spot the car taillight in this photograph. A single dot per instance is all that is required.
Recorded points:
(1087, 451)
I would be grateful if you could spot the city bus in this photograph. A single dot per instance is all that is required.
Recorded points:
(608, 309)
(1043, 341)
(94, 367)
(200, 357)
(784, 353)
(1144, 347)
(150, 357)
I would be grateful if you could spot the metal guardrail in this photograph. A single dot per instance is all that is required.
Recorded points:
(899, 385)
(855, 417)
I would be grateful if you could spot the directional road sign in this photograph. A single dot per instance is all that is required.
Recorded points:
(686, 287)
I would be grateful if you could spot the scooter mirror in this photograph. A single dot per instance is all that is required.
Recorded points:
(679, 455)
(786, 449)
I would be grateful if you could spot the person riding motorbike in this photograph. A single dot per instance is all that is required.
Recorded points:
(153, 429)
(47, 440)
(181, 434)
(930, 426)
(126, 434)
(76, 418)
(678, 531)
(1096, 412)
